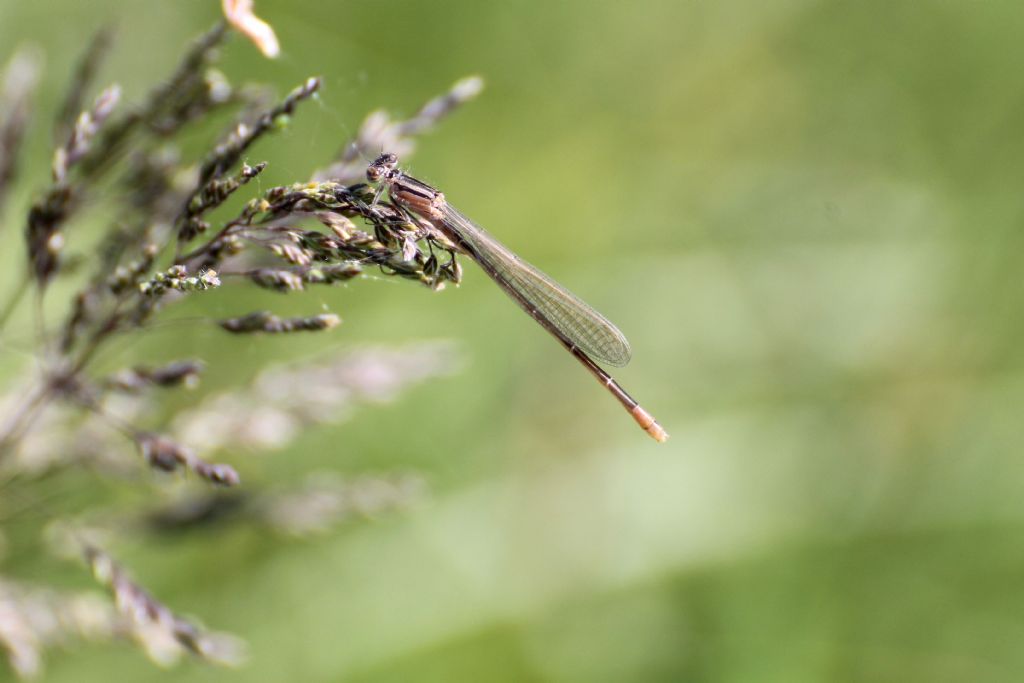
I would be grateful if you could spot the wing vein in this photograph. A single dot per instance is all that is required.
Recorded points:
(560, 310)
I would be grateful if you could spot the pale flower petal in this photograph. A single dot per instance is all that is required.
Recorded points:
(239, 14)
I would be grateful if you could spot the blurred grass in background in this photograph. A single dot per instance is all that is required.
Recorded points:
(807, 218)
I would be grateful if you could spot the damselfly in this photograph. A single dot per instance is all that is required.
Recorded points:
(584, 332)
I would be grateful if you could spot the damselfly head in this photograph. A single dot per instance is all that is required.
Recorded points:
(381, 167)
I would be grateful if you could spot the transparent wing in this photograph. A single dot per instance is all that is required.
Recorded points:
(555, 307)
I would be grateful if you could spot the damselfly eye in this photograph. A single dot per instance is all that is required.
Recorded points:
(381, 166)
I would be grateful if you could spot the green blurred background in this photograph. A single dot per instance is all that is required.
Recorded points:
(805, 215)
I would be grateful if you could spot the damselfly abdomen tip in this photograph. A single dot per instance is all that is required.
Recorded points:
(649, 424)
